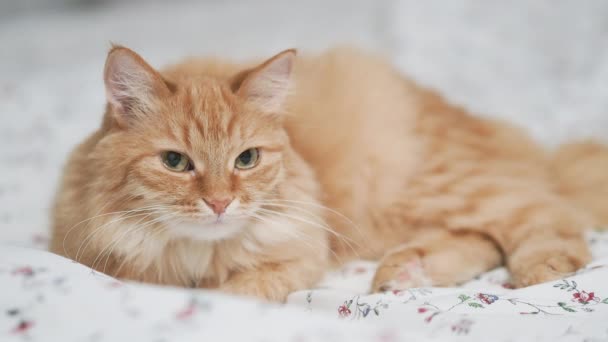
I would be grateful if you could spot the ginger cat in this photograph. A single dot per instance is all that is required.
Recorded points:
(256, 179)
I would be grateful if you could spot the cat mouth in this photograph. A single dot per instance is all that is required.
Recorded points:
(217, 220)
(220, 219)
(210, 228)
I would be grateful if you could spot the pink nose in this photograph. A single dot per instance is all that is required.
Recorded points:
(218, 205)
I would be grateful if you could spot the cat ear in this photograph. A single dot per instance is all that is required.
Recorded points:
(131, 84)
(267, 86)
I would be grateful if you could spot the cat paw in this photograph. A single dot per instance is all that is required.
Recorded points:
(553, 267)
(400, 270)
(255, 286)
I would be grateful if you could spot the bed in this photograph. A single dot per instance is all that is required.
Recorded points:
(51, 96)
(46, 297)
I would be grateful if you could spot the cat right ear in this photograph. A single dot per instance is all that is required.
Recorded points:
(132, 85)
(267, 86)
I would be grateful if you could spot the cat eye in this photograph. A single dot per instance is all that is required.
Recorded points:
(176, 161)
(247, 159)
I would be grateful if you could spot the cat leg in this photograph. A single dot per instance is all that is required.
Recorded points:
(539, 233)
(436, 258)
(541, 236)
(275, 281)
(545, 254)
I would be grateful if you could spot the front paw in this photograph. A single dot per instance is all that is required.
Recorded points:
(545, 267)
(400, 271)
(255, 285)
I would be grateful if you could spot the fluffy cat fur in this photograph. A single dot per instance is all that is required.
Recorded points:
(356, 161)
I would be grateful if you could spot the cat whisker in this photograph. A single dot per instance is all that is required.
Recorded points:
(328, 229)
(111, 243)
(126, 215)
(312, 215)
(320, 206)
(97, 215)
(135, 229)
(84, 244)
(357, 228)
(294, 234)
(126, 258)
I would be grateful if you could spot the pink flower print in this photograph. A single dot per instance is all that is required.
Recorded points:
(187, 312)
(360, 270)
(487, 298)
(344, 311)
(40, 239)
(462, 327)
(583, 297)
(387, 336)
(26, 271)
(114, 284)
(422, 310)
(22, 327)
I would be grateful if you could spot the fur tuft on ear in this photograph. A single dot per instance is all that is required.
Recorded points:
(267, 86)
(131, 84)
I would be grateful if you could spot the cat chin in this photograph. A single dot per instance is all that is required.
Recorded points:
(207, 231)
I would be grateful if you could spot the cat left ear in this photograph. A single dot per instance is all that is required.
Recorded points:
(267, 86)
(131, 84)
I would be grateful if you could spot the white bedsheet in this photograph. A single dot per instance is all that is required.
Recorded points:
(45, 297)
(541, 64)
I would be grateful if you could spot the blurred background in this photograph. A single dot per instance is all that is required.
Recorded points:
(542, 64)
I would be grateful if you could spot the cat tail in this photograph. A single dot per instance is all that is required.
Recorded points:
(582, 172)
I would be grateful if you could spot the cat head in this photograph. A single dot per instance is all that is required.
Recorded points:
(201, 153)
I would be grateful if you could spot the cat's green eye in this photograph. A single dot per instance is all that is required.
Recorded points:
(176, 161)
(247, 159)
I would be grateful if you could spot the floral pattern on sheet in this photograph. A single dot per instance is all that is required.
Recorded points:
(467, 310)
(45, 298)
